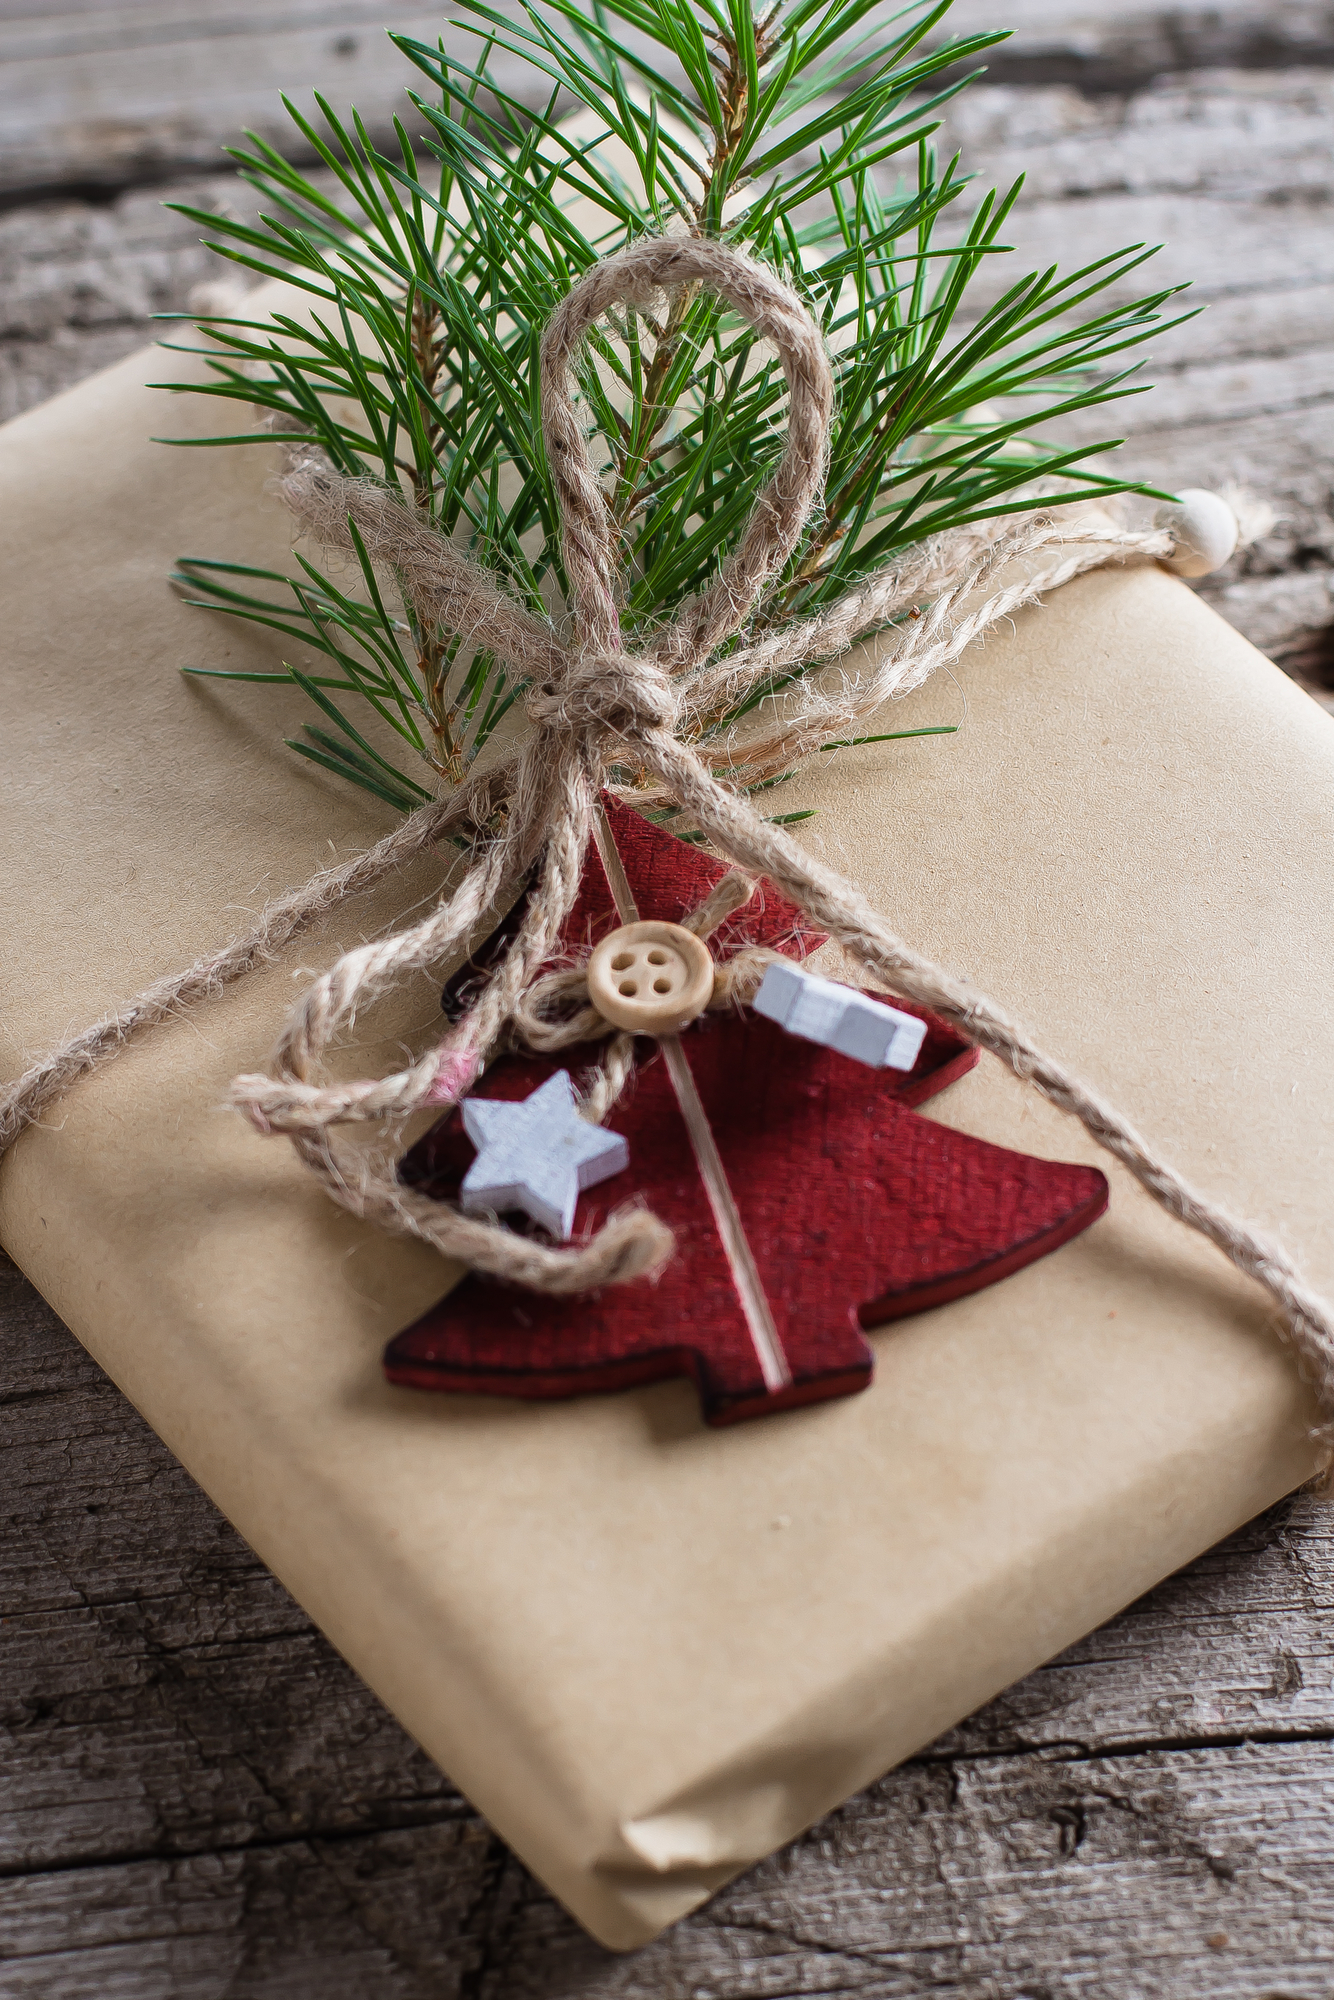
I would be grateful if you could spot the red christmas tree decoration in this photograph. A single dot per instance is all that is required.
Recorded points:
(854, 1211)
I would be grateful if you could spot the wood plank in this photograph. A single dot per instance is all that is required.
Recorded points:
(132, 90)
(1177, 1873)
(379, 1918)
(79, 283)
(125, 94)
(1103, 49)
(1226, 135)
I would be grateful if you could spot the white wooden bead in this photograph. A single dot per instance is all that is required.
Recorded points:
(538, 1155)
(1204, 528)
(650, 977)
(838, 1017)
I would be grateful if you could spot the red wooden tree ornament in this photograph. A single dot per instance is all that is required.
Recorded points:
(839, 1209)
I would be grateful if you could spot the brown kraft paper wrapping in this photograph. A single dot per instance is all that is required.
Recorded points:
(651, 1653)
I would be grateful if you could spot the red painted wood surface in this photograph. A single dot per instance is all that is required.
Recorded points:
(858, 1212)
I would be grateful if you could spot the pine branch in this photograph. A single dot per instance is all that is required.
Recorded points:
(431, 271)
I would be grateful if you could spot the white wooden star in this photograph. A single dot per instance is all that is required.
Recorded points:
(538, 1155)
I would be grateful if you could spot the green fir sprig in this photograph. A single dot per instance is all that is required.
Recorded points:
(802, 135)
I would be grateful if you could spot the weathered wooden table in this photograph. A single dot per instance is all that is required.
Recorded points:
(199, 1799)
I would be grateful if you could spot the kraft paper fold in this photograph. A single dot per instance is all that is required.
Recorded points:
(651, 1653)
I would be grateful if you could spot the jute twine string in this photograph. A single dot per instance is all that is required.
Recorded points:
(597, 708)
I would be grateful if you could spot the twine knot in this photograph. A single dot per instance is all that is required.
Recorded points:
(602, 693)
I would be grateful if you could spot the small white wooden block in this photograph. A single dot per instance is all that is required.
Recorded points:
(537, 1156)
(838, 1017)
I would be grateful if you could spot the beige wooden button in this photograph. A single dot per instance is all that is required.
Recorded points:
(650, 977)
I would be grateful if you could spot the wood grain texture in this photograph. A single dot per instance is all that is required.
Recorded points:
(106, 96)
(198, 1799)
(109, 93)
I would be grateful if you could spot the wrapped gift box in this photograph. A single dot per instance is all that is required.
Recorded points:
(650, 1652)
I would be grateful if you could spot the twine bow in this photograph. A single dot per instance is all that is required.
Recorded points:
(598, 705)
